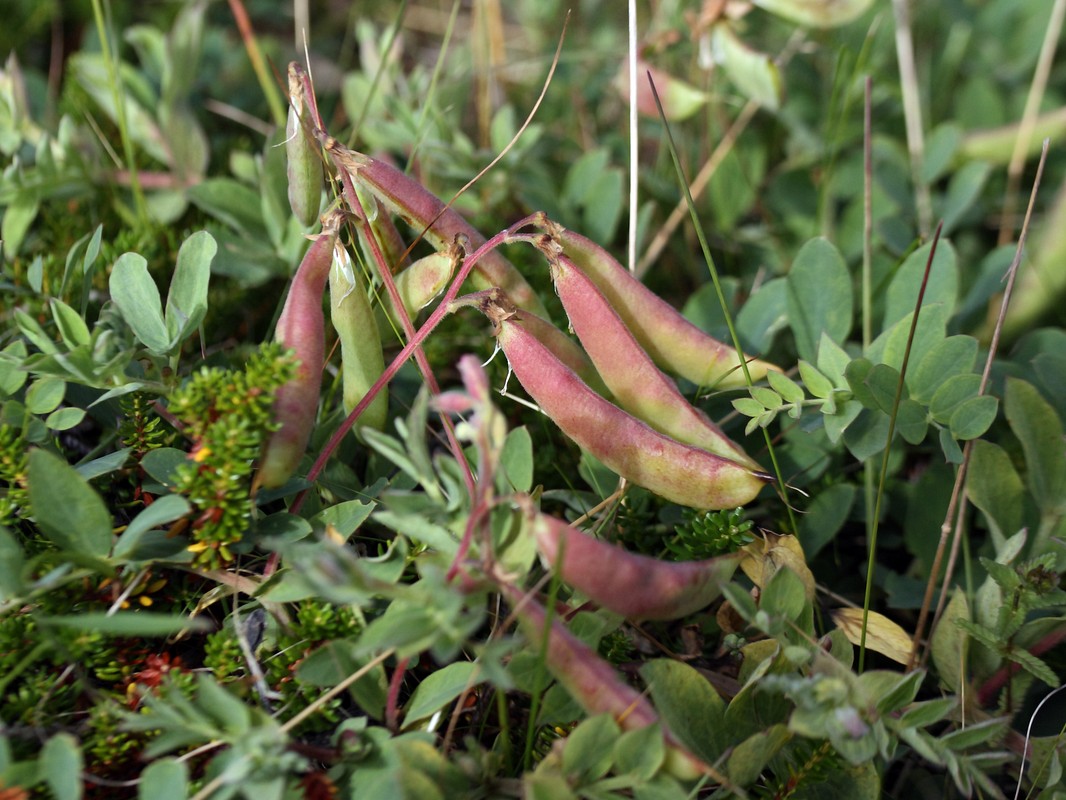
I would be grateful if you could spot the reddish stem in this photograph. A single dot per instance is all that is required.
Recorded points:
(392, 704)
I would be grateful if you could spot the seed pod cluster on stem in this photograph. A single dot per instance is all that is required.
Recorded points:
(674, 343)
(422, 210)
(301, 328)
(681, 473)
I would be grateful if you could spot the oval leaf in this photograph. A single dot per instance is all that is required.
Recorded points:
(66, 508)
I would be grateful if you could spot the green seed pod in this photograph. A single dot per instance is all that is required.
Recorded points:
(421, 282)
(304, 162)
(362, 360)
(635, 382)
(674, 343)
(678, 472)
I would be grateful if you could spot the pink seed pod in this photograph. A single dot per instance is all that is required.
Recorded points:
(594, 684)
(635, 586)
(674, 343)
(301, 328)
(678, 472)
(590, 680)
(422, 210)
(636, 384)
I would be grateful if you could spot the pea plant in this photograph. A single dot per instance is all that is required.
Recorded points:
(373, 504)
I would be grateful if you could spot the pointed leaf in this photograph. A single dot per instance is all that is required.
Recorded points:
(66, 508)
(187, 300)
(137, 297)
(1039, 429)
(819, 297)
(882, 634)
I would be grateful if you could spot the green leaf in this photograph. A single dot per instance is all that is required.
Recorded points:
(163, 511)
(784, 595)
(589, 748)
(748, 406)
(754, 73)
(137, 297)
(71, 326)
(516, 459)
(817, 384)
(856, 373)
(439, 689)
(883, 383)
(943, 285)
(833, 361)
(11, 564)
(767, 398)
(163, 462)
(867, 435)
(187, 299)
(912, 421)
(1034, 666)
(128, 623)
(993, 485)
(963, 190)
(931, 329)
(12, 376)
(789, 390)
(749, 758)
(344, 517)
(63, 419)
(231, 202)
(690, 707)
(66, 508)
(333, 662)
(948, 645)
(972, 417)
(825, 516)
(836, 424)
(974, 734)
(1039, 429)
(33, 331)
(940, 149)
(164, 779)
(640, 752)
(762, 316)
(928, 712)
(61, 764)
(951, 394)
(819, 297)
(953, 356)
(45, 395)
(18, 217)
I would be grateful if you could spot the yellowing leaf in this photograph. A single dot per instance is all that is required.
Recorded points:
(882, 634)
(766, 556)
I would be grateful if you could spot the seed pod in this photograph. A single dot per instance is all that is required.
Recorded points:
(678, 472)
(593, 683)
(635, 586)
(635, 382)
(674, 343)
(419, 208)
(301, 328)
(392, 246)
(304, 162)
(421, 282)
(362, 360)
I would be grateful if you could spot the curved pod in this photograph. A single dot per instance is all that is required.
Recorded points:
(635, 586)
(636, 384)
(678, 472)
(674, 343)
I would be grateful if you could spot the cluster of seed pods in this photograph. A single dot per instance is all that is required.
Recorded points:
(609, 394)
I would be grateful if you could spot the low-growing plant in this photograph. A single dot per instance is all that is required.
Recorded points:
(600, 583)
